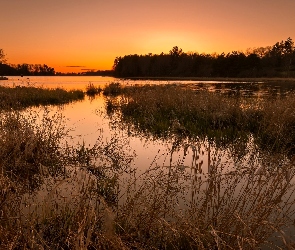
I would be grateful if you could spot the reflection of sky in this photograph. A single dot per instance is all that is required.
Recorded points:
(87, 121)
(254, 89)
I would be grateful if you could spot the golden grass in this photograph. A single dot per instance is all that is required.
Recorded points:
(165, 109)
(209, 204)
(20, 97)
(54, 196)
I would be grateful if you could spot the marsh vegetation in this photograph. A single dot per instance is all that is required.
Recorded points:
(27, 96)
(228, 182)
(181, 110)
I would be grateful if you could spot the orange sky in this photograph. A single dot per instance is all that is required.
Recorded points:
(92, 33)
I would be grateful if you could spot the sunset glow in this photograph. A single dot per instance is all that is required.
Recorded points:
(90, 34)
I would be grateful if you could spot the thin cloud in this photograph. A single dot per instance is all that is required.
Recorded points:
(75, 66)
(88, 69)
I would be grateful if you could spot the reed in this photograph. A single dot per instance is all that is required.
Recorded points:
(113, 89)
(207, 205)
(92, 90)
(166, 109)
(56, 196)
(22, 96)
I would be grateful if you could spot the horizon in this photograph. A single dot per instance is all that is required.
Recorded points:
(75, 36)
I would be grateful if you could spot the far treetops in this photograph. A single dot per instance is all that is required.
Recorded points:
(271, 61)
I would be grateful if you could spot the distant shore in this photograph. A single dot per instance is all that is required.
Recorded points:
(218, 79)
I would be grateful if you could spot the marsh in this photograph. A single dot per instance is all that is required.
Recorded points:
(143, 164)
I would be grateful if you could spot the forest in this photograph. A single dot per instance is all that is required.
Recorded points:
(26, 69)
(277, 60)
(271, 61)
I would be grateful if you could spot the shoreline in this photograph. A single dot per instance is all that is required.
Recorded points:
(217, 79)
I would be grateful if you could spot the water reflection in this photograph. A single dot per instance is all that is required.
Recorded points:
(257, 89)
(202, 187)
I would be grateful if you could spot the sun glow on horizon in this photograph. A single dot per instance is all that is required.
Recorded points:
(93, 34)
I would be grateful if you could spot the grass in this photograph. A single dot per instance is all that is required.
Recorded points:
(27, 148)
(91, 90)
(56, 196)
(21, 97)
(113, 89)
(209, 205)
(165, 109)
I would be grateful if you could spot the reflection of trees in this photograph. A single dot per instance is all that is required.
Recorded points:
(276, 60)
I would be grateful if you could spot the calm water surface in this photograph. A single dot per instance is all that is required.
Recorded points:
(87, 121)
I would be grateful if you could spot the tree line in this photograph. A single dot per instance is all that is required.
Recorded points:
(271, 61)
(23, 69)
(26, 69)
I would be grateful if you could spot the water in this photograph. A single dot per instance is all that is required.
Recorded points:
(66, 82)
(258, 88)
(88, 122)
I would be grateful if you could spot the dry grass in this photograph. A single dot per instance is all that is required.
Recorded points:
(26, 96)
(209, 204)
(80, 200)
(92, 90)
(30, 144)
(113, 89)
(208, 207)
(165, 109)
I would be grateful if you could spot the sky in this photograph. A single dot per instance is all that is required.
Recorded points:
(78, 35)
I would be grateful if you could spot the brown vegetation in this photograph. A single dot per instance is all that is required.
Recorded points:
(80, 199)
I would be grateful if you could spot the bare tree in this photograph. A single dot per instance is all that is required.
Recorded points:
(2, 56)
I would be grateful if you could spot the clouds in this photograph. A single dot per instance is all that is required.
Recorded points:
(75, 66)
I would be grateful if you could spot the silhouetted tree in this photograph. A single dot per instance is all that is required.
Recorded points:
(276, 60)
(2, 56)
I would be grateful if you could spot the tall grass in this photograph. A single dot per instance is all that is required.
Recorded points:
(208, 204)
(113, 89)
(92, 90)
(30, 144)
(56, 196)
(166, 109)
(208, 207)
(26, 96)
